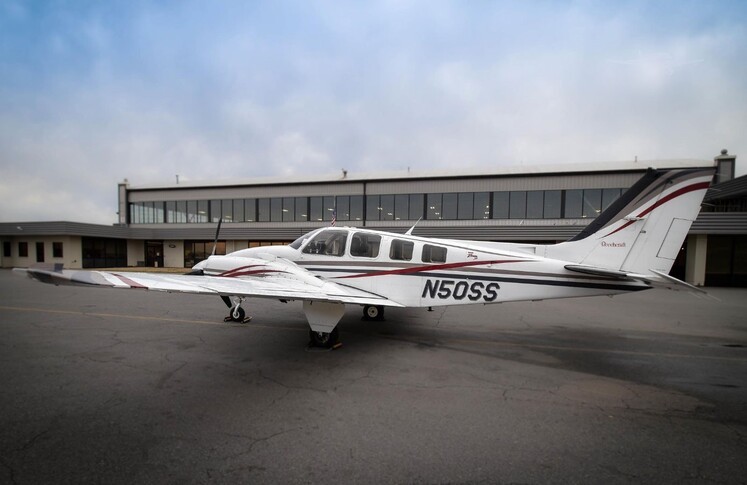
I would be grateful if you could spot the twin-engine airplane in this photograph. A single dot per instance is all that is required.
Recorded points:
(630, 247)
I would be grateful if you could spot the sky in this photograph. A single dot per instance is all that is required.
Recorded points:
(92, 93)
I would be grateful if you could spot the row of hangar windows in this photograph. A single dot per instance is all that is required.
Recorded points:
(532, 204)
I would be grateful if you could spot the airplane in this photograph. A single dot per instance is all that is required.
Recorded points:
(631, 246)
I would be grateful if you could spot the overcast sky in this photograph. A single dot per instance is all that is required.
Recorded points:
(95, 92)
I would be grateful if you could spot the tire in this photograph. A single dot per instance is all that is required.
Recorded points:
(240, 317)
(323, 339)
(372, 312)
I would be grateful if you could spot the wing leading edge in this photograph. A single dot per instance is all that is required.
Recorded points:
(282, 285)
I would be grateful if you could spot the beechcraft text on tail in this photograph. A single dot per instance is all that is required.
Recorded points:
(630, 247)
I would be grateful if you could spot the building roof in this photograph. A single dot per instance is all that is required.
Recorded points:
(730, 189)
(512, 171)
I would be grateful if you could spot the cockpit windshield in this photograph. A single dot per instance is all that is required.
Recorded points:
(329, 242)
(299, 242)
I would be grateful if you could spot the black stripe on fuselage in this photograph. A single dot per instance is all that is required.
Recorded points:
(503, 279)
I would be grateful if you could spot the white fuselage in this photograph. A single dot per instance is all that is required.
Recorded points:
(422, 272)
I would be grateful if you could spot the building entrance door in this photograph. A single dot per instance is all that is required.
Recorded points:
(154, 254)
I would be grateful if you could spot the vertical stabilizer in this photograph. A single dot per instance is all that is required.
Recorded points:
(645, 228)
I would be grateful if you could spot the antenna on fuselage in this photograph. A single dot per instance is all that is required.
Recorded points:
(409, 231)
(217, 232)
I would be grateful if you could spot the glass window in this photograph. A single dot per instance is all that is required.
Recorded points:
(373, 209)
(481, 208)
(329, 242)
(401, 250)
(181, 211)
(573, 204)
(329, 207)
(215, 210)
(466, 205)
(6, 249)
(416, 207)
(500, 205)
(302, 209)
(250, 210)
(263, 209)
(56, 249)
(592, 202)
(134, 215)
(449, 206)
(315, 209)
(401, 207)
(298, 242)
(387, 207)
(434, 254)
(364, 245)
(535, 204)
(238, 210)
(276, 209)
(39, 252)
(160, 214)
(552, 204)
(23, 250)
(608, 197)
(202, 211)
(356, 208)
(343, 208)
(171, 211)
(289, 209)
(434, 206)
(227, 212)
(517, 205)
(191, 211)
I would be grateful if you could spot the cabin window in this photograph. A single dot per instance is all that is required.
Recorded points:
(365, 245)
(329, 243)
(401, 250)
(434, 254)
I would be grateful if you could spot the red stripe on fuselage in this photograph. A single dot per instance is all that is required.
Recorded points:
(256, 272)
(231, 272)
(433, 267)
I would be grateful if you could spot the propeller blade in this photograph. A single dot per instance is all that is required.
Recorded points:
(217, 232)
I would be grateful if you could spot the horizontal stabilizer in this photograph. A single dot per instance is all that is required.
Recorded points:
(593, 270)
(676, 282)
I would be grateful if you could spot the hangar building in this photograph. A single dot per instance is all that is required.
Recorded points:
(173, 225)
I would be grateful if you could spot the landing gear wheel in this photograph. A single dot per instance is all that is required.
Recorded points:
(237, 315)
(323, 339)
(372, 312)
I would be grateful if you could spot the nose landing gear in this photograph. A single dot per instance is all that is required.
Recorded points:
(324, 340)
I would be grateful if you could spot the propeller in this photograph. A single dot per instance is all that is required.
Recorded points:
(200, 272)
(217, 232)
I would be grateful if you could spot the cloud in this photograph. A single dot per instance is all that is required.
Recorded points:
(101, 92)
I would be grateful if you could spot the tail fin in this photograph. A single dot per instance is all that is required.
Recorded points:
(643, 230)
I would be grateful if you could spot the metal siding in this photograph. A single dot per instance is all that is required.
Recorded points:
(720, 223)
(246, 192)
(495, 184)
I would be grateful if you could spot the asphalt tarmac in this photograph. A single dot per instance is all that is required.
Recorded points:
(130, 386)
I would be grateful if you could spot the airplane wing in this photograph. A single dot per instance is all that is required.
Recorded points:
(279, 279)
(658, 278)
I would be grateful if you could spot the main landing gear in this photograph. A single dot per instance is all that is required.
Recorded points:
(324, 340)
(236, 313)
(373, 312)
